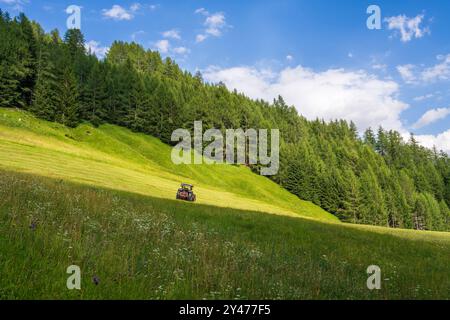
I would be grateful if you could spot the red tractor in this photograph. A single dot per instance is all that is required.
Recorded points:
(185, 193)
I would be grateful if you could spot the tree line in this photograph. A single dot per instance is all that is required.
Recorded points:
(377, 179)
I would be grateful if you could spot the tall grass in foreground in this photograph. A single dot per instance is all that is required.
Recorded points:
(146, 248)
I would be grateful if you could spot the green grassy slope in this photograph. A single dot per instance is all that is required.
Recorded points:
(103, 199)
(116, 158)
(151, 248)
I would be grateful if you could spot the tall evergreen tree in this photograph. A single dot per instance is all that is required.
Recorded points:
(67, 99)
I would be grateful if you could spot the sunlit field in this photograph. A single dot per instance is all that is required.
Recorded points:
(116, 158)
(103, 199)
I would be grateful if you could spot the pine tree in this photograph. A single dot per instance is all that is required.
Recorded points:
(136, 119)
(382, 142)
(445, 215)
(28, 59)
(16, 62)
(9, 87)
(43, 100)
(95, 95)
(369, 138)
(420, 212)
(67, 99)
(74, 41)
(373, 209)
(352, 198)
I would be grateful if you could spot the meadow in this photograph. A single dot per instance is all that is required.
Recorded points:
(103, 199)
(139, 247)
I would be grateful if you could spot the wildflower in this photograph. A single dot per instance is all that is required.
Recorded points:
(33, 226)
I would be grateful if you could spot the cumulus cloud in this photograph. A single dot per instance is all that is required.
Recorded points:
(172, 34)
(94, 47)
(163, 46)
(407, 73)
(431, 116)
(200, 38)
(409, 28)
(117, 13)
(331, 94)
(215, 23)
(441, 141)
(414, 74)
(440, 71)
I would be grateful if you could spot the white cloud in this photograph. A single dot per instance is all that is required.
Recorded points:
(117, 13)
(379, 66)
(214, 25)
(16, 5)
(289, 57)
(431, 116)
(424, 97)
(409, 28)
(163, 46)
(440, 71)
(407, 73)
(413, 74)
(135, 7)
(350, 55)
(202, 11)
(181, 50)
(331, 94)
(200, 38)
(95, 48)
(173, 34)
(441, 141)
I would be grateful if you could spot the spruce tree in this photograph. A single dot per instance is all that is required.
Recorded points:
(95, 95)
(369, 138)
(43, 99)
(67, 99)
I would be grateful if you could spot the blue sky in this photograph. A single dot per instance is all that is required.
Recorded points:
(319, 55)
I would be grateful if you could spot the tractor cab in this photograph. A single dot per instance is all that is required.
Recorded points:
(186, 193)
(187, 187)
